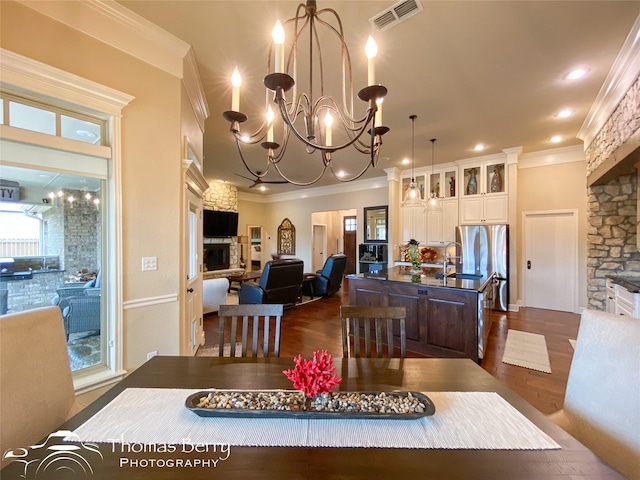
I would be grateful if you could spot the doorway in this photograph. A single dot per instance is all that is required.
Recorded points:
(551, 260)
(254, 232)
(319, 247)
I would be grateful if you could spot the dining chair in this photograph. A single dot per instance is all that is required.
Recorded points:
(356, 318)
(262, 316)
(36, 387)
(602, 399)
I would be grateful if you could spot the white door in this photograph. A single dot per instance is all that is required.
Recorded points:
(551, 260)
(319, 246)
(193, 329)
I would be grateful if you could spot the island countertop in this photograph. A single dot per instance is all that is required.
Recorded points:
(402, 274)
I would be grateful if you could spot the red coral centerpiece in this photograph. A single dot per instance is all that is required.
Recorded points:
(314, 376)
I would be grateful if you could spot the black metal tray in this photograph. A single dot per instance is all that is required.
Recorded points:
(308, 411)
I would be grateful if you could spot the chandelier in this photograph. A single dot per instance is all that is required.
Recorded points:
(322, 123)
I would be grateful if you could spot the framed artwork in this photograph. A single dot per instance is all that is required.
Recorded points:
(286, 238)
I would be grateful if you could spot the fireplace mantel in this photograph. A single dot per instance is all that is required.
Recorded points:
(621, 162)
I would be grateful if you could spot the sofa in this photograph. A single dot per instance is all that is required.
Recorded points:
(280, 282)
(214, 294)
(329, 279)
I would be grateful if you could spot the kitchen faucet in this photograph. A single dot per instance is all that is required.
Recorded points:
(447, 257)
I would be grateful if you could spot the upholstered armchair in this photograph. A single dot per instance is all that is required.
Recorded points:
(81, 314)
(280, 282)
(329, 279)
(75, 289)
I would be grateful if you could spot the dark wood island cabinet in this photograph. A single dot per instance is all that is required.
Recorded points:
(445, 317)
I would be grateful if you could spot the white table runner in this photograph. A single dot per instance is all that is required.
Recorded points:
(463, 420)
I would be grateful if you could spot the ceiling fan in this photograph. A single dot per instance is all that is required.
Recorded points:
(258, 180)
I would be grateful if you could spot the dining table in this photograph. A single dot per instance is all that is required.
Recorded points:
(135, 429)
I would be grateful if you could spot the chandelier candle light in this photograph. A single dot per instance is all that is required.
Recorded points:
(322, 124)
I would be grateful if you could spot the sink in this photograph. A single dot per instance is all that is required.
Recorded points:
(461, 276)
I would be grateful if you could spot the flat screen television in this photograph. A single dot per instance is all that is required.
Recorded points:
(219, 224)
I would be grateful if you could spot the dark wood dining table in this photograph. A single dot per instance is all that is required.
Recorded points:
(572, 461)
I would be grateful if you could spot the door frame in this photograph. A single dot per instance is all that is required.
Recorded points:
(575, 277)
(195, 186)
(323, 228)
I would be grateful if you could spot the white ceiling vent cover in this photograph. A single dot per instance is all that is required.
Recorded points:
(395, 14)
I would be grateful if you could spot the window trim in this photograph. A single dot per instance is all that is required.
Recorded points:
(42, 82)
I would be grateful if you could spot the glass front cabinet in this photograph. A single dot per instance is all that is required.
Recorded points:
(441, 222)
(484, 195)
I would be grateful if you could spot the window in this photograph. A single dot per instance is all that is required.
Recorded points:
(28, 115)
(350, 224)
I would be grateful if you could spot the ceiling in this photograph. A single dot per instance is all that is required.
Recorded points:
(487, 72)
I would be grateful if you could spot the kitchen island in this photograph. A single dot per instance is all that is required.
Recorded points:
(445, 317)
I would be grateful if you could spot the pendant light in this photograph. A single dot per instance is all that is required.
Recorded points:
(412, 196)
(434, 201)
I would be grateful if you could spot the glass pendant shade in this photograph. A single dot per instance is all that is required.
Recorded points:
(412, 197)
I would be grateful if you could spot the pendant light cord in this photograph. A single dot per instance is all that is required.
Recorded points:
(413, 121)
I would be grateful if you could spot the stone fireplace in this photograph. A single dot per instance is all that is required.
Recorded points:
(612, 161)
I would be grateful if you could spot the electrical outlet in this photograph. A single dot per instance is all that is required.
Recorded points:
(150, 355)
(149, 263)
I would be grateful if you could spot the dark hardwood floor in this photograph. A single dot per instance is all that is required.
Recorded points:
(316, 325)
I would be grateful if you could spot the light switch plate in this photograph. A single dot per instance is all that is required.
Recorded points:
(149, 263)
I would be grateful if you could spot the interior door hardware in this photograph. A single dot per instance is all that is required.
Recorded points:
(528, 264)
(190, 290)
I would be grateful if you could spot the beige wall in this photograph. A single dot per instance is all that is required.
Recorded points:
(151, 167)
(300, 211)
(554, 187)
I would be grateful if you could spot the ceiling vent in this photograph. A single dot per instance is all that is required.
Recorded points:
(395, 14)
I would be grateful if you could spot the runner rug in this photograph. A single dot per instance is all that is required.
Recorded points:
(528, 350)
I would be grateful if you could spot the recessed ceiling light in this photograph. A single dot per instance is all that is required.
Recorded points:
(576, 74)
(556, 139)
(341, 173)
(406, 161)
(567, 112)
(479, 147)
(262, 188)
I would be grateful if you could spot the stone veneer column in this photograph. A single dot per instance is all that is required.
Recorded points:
(223, 198)
(613, 210)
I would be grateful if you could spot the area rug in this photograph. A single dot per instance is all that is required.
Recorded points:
(213, 351)
(573, 343)
(528, 350)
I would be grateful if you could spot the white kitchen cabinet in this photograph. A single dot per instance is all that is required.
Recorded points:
(483, 194)
(611, 296)
(441, 224)
(627, 303)
(414, 224)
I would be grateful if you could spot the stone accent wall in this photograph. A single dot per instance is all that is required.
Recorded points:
(613, 210)
(612, 234)
(73, 231)
(223, 198)
(623, 123)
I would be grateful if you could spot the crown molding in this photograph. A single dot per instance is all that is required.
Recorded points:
(119, 27)
(346, 187)
(22, 74)
(554, 156)
(621, 77)
(195, 91)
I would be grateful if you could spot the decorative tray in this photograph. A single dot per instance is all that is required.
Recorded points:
(293, 404)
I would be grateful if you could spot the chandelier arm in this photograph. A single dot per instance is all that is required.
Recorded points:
(350, 179)
(300, 184)
(287, 120)
(257, 173)
(346, 62)
(255, 137)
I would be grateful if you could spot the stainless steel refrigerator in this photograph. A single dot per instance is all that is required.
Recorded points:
(484, 250)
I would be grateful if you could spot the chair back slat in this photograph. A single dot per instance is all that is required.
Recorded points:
(384, 318)
(260, 317)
